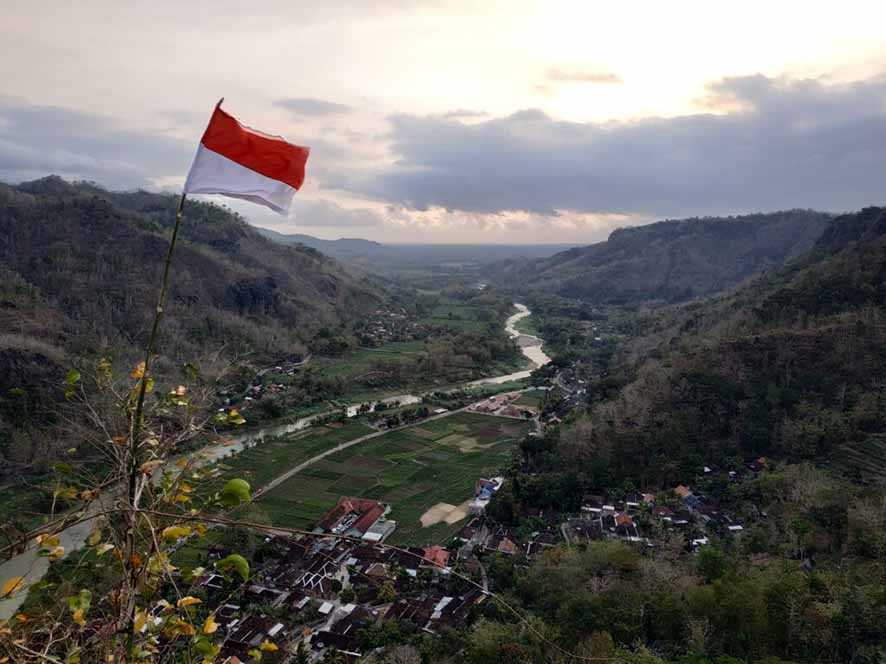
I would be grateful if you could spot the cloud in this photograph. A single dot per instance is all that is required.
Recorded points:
(575, 76)
(325, 213)
(310, 106)
(38, 140)
(463, 114)
(792, 143)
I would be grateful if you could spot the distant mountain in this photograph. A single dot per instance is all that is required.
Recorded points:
(336, 248)
(414, 261)
(670, 261)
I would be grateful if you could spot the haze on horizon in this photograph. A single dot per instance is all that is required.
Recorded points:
(464, 122)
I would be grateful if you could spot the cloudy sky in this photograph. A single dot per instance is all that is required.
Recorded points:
(484, 121)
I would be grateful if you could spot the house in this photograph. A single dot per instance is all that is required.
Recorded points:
(483, 493)
(624, 527)
(539, 542)
(453, 612)
(380, 530)
(249, 634)
(501, 540)
(343, 635)
(352, 516)
(412, 611)
(583, 531)
(437, 556)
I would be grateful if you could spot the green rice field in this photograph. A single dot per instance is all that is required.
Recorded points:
(412, 469)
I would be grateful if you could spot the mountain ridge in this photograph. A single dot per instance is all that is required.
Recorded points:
(671, 261)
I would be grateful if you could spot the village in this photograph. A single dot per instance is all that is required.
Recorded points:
(343, 589)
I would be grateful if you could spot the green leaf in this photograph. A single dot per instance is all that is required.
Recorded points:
(206, 647)
(63, 468)
(236, 491)
(82, 600)
(234, 563)
(85, 599)
(73, 377)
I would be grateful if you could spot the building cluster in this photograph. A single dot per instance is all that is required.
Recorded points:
(322, 593)
(384, 326)
(642, 517)
(505, 405)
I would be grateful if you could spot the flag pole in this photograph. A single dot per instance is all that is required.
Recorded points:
(136, 426)
(158, 315)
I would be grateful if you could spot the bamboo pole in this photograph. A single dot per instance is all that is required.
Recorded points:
(136, 425)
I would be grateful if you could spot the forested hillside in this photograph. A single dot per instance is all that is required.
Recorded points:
(790, 366)
(670, 261)
(79, 272)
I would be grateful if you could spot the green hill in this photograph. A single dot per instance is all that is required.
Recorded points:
(670, 261)
(790, 366)
(79, 272)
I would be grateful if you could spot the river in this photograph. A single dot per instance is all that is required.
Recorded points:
(32, 567)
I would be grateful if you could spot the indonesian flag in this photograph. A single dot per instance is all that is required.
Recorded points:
(241, 162)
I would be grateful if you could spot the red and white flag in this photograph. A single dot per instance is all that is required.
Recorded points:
(241, 162)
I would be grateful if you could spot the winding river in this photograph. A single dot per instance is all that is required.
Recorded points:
(33, 567)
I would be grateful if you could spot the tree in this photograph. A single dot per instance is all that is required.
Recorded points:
(153, 504)
(712, 562)
(386, 593)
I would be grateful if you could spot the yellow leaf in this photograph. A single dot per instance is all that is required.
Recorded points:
(47, 541)
(176, 532)
(150, 466)
(22, 618)
(12, 586)
(182, 627)
(188, 601)
(267, 646)
(89, 494)
(181, 498)
(181, 463)
(67, 493)
(141, 619)
(200, 529)
(94, 537)
(103, 549)
(210, 625)
(56, 552)
(138, 371)
(119, 440)
(79, 617)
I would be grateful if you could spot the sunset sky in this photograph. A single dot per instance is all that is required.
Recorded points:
(504, 122)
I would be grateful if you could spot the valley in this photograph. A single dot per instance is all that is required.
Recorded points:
(462, 439)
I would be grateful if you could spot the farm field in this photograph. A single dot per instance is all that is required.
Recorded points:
(412, 469)
(457, 316)
(363, 360)
(862, 461)
(532, 398)
(265, 461)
